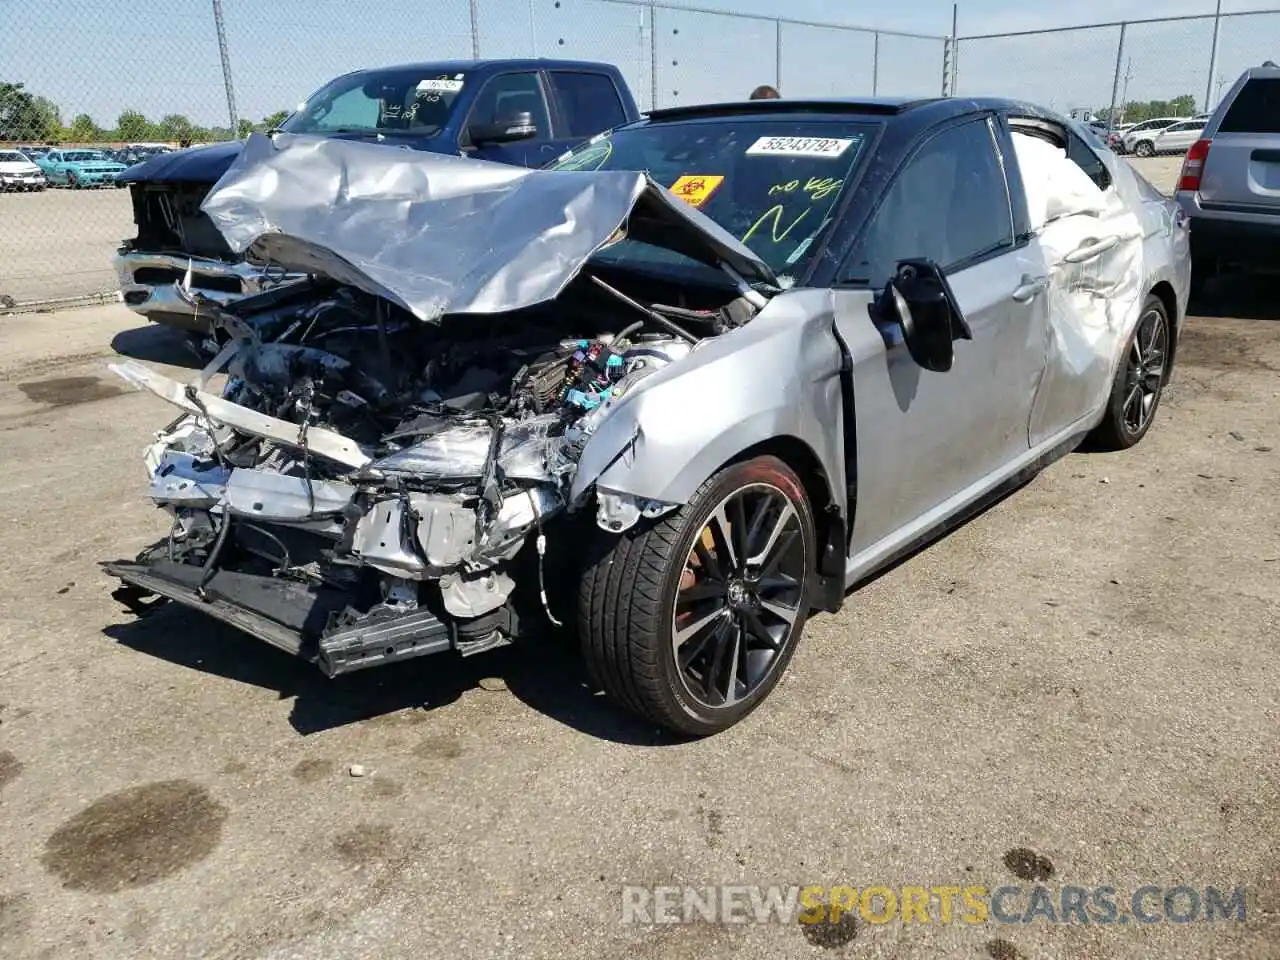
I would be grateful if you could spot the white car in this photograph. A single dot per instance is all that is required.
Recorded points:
(18, 172)
(1175, 138)
(1144, 131)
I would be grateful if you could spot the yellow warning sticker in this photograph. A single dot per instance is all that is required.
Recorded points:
(696, 190)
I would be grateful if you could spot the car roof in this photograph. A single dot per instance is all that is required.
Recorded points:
(462, 66)
(1266, 72)
(926, 110)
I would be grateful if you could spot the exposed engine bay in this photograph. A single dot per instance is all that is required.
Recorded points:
(367, 487)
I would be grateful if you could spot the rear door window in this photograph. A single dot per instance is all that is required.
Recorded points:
(1084, 157)
(589, 102)
(1256, 108)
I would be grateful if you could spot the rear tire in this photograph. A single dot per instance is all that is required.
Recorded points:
(1139, 383)
(73, 181)
(690, 620)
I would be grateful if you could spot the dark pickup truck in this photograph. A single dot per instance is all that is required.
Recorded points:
(523, 112)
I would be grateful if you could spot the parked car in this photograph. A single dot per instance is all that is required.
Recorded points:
(1230, 181)
(685, 378)
(19, 172)
(1175, 138)
(1144, 130)
(80, 168)
(521, 112)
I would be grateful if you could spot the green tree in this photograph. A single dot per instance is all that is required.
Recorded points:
(244, 128)
(26, 116)
(176, 127)
(83, 129)
(271, 121)
(131, 126)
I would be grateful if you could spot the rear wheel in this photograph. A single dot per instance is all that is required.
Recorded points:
(72, 180)
(1139, 382)
(691, 620)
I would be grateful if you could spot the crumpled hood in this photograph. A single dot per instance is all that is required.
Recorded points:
(446, 235)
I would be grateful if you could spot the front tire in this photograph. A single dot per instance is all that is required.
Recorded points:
(1139, 382)
(690, 620)
(1144, 149)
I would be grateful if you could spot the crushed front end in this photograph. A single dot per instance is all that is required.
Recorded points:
(367, 488)
(399, 436)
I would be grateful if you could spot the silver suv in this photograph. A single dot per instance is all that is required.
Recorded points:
(1230, 182)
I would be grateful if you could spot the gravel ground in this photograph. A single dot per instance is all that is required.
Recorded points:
(1081, 683)
(59, 243)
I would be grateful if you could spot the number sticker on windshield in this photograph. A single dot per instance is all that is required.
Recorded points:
(441, 85)
(799, 147)
(696, 190)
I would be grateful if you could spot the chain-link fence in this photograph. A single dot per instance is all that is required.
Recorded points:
(102, 81)
(1123, 71)
(112, 78)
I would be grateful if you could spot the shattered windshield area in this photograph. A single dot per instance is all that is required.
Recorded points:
(415, 102)
(773, 185)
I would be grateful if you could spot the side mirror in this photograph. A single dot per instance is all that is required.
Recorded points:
(519, 127)
(919, 300)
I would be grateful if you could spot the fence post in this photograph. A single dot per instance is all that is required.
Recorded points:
(948, 51)
(653, 55)
(777, 53)
(475, 29)
(225, 54)
(1115, 83)
(955, 48)
(875, 64)
(1213, 58)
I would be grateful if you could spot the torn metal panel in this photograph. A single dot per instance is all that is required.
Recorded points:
(446, 235)
(319, 441)
(273, 496)
(1091, 241)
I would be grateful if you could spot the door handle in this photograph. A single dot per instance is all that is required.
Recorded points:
(1030, 287)
(1091, 250)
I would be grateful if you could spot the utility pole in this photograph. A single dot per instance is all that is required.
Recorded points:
(1124, 97)
(221, 27)
(533, 29)
(1213, 56)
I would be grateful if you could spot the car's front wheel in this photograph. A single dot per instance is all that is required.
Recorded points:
(1139, 382)
(1144, 148)
(691, 619)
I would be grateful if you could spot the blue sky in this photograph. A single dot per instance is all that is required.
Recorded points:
(160, 56)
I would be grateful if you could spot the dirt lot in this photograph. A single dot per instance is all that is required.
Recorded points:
(1083, 682)
(59, 243)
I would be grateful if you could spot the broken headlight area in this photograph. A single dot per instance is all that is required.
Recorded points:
(367, 487)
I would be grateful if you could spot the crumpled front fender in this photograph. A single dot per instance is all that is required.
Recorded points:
(777, 377)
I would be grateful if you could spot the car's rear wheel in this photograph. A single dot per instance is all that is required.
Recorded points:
(1139, 382)
(691, 619)
(1144, 148)
(72, 180)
